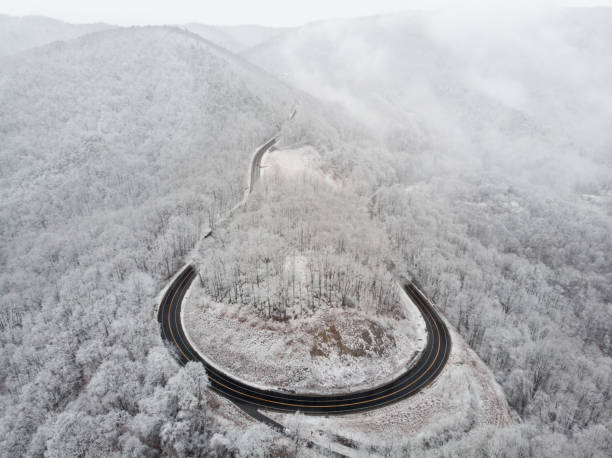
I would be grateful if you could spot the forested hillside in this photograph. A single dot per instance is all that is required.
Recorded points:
(21, 33)
(463, 95)
(235, 38)
(500, 199)
(481, 154)
(301, 247)
(117, 150)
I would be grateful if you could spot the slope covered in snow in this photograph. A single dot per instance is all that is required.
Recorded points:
(464, 398)
(235, 38)
(117, 150)
(471, 91)
(496, 123)
(304, 344)
(20, 33)
(479, 165)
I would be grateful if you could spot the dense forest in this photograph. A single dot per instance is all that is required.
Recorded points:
(498, 202)
(299, 245)
(486, 179)
(117, 150)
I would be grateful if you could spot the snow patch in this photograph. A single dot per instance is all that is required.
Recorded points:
(294, 163)
(331, 351)
(464, 395)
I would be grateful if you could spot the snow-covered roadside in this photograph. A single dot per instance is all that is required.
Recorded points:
(290, 162)
(310, 355)
(463, 396)
(293, 163)
(331, 351)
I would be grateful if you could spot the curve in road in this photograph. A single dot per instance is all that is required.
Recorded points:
(255, 169)
(420, 375)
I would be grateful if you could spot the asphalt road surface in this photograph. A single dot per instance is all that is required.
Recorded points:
(428, 367)
(255, 169)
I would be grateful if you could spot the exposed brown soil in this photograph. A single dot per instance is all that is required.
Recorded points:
(363, 337)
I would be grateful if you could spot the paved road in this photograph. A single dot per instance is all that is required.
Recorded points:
(424, 372)
(255, 169)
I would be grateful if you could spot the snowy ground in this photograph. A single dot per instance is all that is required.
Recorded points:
(305, 160)
(334, 350)
(244, 433)
(291, 161)
(331, 352)
(464, 396)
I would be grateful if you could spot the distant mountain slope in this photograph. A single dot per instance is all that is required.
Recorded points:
(435, 82)
(235, 38)
(20, 33)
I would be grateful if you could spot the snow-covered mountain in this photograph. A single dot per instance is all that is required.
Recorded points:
(478, 89)
(117, 150)
(479, 146)
(235, 38)
(499, 197)
(20, 33)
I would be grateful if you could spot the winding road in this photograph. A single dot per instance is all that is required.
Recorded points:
(255, 168)
(424, 372)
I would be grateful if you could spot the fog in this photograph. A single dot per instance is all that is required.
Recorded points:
(516, 88)
(274, 13)
(466, 148)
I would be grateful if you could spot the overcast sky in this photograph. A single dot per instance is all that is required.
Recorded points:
(233, 12)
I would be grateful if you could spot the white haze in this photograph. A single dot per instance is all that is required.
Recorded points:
(470, 149)
(276, 13)
(548, 70)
